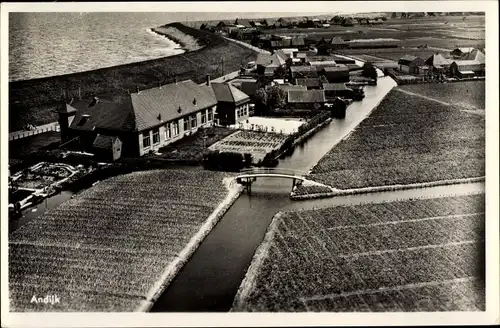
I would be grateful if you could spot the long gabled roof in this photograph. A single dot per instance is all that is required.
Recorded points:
(225, 92)
(142, 110)
(438, 60)
(306, 96)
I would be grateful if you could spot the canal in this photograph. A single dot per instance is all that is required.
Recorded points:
(209, 281)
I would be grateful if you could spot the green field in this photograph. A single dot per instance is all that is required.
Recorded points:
(415, 255)
(407, 139)
(33, 101)
(104, 249)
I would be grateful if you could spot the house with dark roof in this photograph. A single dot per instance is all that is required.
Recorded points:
(309, 83)
(333, 90)
(336, 74)
(410, 64)
(467, 68)
(143, 121)
(306, 99)
(233, 105)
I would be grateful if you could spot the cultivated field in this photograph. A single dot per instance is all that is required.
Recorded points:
(104, 249)
(407, 139)
(413, 255)
(256, 143)
(467, 94)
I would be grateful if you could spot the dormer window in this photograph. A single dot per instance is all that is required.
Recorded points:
(83, 120)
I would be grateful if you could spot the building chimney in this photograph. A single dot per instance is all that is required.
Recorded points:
(208, 79)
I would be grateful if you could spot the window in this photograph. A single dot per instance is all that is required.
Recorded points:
(186, 123)
(193, 121)
(210, 115)
(168, 132)
(156, 136)
(146, 141)
(203, 117)
(175, 126)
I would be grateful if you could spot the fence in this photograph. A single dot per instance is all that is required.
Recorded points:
(41, 129)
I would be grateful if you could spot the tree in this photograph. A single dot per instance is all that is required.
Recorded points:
(369, 71)
(260, 97)
(394, 15)
(276, 97)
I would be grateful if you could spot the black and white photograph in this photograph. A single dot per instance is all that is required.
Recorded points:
(252, 158)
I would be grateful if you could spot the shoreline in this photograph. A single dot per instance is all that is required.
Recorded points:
(185, 41)
(173, 268)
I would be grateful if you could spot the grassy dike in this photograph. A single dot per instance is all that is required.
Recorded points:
(33, 101)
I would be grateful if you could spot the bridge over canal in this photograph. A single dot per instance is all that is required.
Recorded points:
(248, 176)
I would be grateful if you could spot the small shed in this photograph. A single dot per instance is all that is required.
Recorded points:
(410, 64)
(107, 148)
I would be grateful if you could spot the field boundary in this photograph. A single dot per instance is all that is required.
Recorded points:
(185, 254)
(356, 191)
(254, 269)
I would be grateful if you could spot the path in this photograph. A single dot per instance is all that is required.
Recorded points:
(249, 46)
(54, 126)
(471, 110)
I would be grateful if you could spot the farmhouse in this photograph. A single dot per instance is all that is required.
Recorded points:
(410, 64)
(269, 63)
(438, 62)
(232, 103)
(339, 73)
(142, 121)
(459, 53)
(466, 68)
(306, 99)
(338, 42)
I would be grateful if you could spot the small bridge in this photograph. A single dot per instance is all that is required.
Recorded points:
(247, 176)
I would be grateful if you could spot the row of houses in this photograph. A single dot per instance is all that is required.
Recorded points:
(144, 121)
(461, 63)
(241, 23)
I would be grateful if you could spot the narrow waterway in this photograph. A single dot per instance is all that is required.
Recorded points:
(209, 281)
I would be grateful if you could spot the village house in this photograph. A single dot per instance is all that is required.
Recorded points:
(309, 83)
(143, 121)
(339, 73)
(410, 64)
(333, 90)
(306, 99)
(232, 104)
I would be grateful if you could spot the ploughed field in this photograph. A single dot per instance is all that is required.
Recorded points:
(407, 139)
(466, 94)
(104, 249)
(413, 255)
